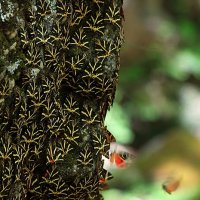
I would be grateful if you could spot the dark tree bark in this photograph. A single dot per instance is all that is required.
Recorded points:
(59, 63)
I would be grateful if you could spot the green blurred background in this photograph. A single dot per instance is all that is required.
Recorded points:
(157, 105)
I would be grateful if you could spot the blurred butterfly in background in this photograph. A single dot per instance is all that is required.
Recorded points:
(171, 184)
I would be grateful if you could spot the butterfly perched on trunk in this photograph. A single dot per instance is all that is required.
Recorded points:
(120, 156)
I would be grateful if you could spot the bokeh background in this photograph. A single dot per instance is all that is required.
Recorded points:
(157, 105)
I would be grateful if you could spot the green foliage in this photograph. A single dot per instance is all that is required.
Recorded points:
(153, 94)
(184, 64)
(118, 124)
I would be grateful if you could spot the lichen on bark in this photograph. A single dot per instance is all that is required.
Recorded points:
(58, 74)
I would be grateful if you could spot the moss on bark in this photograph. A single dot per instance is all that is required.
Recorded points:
(59, 70)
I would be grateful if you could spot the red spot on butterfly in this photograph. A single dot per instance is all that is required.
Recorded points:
(116, 159)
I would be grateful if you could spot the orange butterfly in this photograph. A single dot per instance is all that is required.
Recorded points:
(171, 184)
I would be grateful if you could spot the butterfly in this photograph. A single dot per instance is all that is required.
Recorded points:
(172, 184)
(120, 156)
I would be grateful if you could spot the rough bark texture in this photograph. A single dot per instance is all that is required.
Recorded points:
(59, 62)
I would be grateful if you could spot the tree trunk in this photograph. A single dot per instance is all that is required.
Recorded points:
(59, 62)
